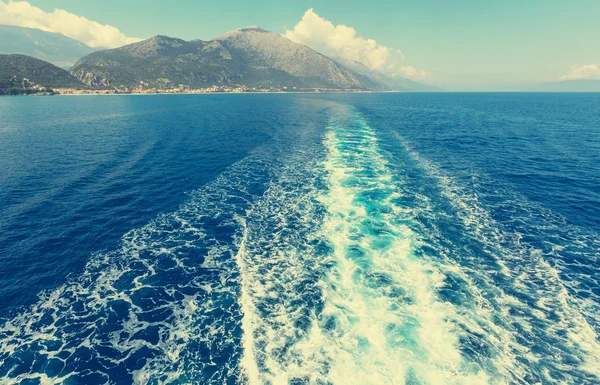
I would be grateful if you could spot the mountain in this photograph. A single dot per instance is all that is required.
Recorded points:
(20, 74)
(579, 85)
(48, 46)
(387, 81)
(248, 56)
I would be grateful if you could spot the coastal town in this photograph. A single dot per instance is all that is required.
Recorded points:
(185, 90)
(25, 86)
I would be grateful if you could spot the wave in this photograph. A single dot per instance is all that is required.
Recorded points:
(337, 293)
(163, 308)
(525, 277)
(319, 259)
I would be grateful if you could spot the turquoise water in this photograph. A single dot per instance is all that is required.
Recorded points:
(300, 239)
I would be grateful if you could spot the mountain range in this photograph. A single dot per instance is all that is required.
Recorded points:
(247, 56)
(52, 47)
(250, 57)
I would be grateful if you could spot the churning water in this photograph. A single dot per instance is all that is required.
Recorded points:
(337, 239)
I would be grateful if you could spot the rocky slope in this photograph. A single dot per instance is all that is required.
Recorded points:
(21, 74)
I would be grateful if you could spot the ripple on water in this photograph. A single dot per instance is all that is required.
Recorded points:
(329, 261)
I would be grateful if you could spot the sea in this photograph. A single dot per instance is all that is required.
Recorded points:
(327, 239)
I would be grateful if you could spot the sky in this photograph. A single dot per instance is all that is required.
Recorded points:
(455, 44)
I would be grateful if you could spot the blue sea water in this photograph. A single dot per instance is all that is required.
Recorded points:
(300, 239)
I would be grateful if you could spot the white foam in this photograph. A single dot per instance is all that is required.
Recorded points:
(377, 318)
(248, 361)
(368, 347)
(151, 273)
(559, 314)
(333, 281)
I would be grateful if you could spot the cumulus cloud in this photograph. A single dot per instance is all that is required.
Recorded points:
(589, 71)
(94, 34)
(413, 73)
(341, 41)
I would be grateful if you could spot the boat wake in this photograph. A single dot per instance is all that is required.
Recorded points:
(322, 261)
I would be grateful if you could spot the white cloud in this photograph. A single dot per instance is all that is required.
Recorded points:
(413, 73)
(94, 34)
(341, 41)
(589, 71)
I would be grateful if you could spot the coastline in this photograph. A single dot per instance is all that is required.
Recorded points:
(218, 93)
(203, 93)
(211, 92)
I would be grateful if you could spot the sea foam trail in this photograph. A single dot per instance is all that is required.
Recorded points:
(381, 297)
(543, 331)
(161, 309)
(355, 277)
(316, 260)
(166, 306)
(281, 264)
(337, 294)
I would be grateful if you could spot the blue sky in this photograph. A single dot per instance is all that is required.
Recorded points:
(461, 44)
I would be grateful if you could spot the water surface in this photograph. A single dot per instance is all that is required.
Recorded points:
(300, 239)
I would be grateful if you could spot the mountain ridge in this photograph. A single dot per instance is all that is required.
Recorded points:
(247, 56)
(22, 74)
(55, 48)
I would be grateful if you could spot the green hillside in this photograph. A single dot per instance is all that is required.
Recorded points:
(21, 74)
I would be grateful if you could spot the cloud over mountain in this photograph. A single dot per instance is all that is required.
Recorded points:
(588, 71)
(92, 33)
(342, 41)
(412, 73)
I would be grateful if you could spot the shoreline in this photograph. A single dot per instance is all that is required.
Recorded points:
(222, 93)
(201, 93)
(216, 93)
